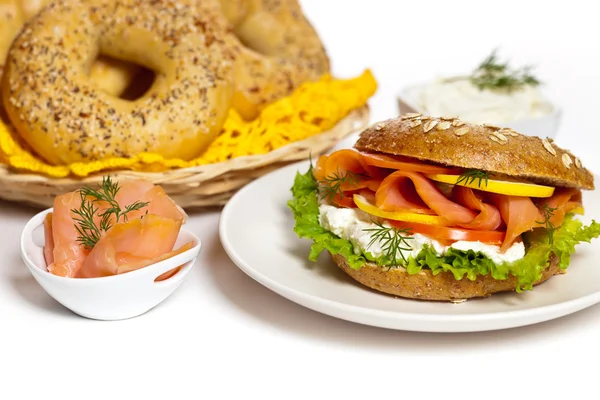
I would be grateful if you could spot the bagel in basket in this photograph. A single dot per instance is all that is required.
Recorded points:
(439, 209)
(64, 101)
(111, 75)
(277, 50)
(65, 118)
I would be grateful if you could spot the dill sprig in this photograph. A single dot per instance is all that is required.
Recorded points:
(392, 241)
(332, 183)
(89, 232)
(471, 175)
(493, 74)
(107, 193)
(548, 214)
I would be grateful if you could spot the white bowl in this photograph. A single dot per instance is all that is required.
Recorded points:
(116, 297)
(544, 126)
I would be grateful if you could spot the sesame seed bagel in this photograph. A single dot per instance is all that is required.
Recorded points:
(278, 49)
(426, 286)
(112, 76)
(11, 20)
(502, 151)
(65, 118)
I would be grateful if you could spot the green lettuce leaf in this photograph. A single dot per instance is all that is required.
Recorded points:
(305, 206)
(461, 264)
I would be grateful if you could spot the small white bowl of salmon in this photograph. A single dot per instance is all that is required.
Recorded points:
(110, 253)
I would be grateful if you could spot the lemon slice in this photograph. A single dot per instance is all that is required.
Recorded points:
(578, 210)
(364, 205)
(498, 186)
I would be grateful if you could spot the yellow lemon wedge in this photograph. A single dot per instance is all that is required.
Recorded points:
(364, 205)
(497, 186)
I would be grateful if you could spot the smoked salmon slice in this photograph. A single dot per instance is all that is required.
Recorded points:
(49, 240)
(489, 218)
(371, 164)
(131, 245)
(563, 200)
(404, 164)
(68, 254)
(159, 203)
(520, 214)
(342, 174)
(346, 169)
(398, 193)
(351, 170)
(166, 256)
(339, 164)
(320, 169)
(131, 190)
(394, 194)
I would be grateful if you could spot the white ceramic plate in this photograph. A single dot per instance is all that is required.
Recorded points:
(256, 230)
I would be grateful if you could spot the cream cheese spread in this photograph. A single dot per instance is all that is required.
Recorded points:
(463, 99)
(353, 225)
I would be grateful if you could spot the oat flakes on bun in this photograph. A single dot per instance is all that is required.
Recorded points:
(439, 209)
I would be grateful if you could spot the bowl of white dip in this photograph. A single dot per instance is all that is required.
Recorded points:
(525, 108)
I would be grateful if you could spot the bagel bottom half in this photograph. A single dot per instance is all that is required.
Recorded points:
(440, 287)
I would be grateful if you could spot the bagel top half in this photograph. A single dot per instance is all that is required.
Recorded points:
(501, 151)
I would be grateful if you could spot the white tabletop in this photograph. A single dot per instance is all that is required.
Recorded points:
(223, 335)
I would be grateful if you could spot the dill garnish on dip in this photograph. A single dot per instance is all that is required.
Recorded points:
(494, 75)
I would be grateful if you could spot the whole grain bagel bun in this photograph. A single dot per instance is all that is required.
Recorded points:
(440, 287)
(497, 150)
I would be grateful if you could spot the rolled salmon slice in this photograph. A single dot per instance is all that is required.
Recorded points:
(520, 214)
(131, 245)
(489, 218)
(338, 164)
(412, 191)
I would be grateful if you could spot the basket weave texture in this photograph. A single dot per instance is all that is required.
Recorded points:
(201, 186)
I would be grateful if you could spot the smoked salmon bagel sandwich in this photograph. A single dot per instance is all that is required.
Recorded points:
(440, 209)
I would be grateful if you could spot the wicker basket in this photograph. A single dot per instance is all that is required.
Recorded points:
(202, 186)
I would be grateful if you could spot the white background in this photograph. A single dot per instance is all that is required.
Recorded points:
(224, 336)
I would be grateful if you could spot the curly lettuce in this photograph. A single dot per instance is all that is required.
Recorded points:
(305, 206)
(462, 264)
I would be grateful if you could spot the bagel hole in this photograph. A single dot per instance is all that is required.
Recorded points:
(123, 79)
(251, 45)
(141, 83)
